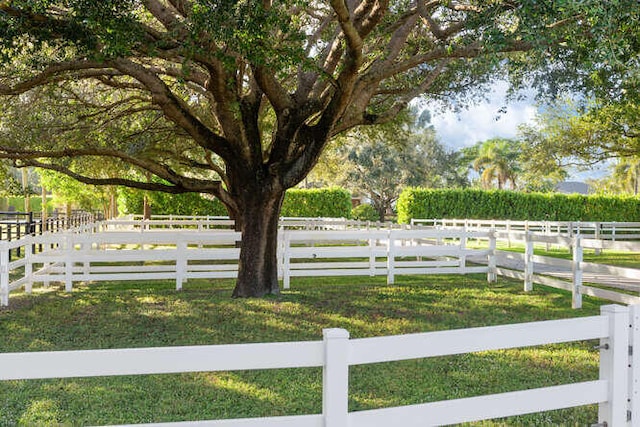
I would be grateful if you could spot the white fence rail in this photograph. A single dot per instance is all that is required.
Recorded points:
(206, 248)
(137, 222)
(616, 391)
(613, 231)
(183, 254)
(524, 267)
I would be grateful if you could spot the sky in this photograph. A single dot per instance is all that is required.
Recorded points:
(488, 120)
(484, 121)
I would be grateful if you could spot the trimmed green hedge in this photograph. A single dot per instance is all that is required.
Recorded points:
(331, 202)
(501, 204)
(131, 201)
(327, 202)
(365, 212)
(17, 203)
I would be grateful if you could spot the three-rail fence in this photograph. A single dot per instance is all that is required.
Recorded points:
(616, 391)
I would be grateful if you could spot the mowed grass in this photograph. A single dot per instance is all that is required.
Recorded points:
(123, 315)
(606, 256)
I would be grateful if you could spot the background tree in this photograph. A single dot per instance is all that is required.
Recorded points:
(69, 192)
(9, 184)
(624, 178)
(238, 99)
(570, 134)
(497, 162)
(380, 162)
(627, 172)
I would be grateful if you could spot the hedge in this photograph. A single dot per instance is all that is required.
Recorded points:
(331, 202)
(328, 202)
(501, 204)
(131, 202)
(17, 203)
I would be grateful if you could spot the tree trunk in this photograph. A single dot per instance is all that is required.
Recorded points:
(258, 264)
(146, 208)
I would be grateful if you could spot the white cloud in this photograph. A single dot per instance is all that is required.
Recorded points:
(484, 121)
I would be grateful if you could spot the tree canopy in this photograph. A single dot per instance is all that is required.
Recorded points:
(379, 162)
(238, 99)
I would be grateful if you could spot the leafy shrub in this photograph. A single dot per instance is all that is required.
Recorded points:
(328, 202)
(365, 212)
(132, 201)
(501, 204)
(331, 202)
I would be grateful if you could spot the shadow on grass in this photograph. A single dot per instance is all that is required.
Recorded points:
(120, 315)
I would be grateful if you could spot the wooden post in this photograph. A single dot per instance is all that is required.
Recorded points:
(335, 383)
(576, 295)
(528, 262)
(614, 360)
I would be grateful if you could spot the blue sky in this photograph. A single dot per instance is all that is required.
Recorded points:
(484, 121)
(488, 120)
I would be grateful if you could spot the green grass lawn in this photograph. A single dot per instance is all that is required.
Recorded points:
(117, 315)
(606, 256)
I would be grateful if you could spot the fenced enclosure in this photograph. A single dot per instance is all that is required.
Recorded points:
(207, 247)
(615, 390)
(606, 231)
(567, 274)
(16, 225)
(181, 255)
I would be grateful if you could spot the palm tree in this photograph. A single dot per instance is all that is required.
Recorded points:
(627, 173)
(497, 160)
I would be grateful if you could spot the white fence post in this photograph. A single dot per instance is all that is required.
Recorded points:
(614, 360)
(28, 267)
(4, 274)
(68, 262)
(598, 236)
(547, 232)
(634, 365)
(576, 295)
(286, 261)
(86, 265)
(280, 252)
(335, 383)
(181, 263)
(463, 247)
(390, 258)
(492, 275)
(528, 261)
(372, 255)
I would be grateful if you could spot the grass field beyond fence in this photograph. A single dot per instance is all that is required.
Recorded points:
(125, 315)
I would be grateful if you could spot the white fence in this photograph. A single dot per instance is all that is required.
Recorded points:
(153, 253)
(524, 266)
(616, 391)
(613, 231)
(137, 222)
(183, 254)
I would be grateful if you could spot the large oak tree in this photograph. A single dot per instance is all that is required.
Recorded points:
(239, 98)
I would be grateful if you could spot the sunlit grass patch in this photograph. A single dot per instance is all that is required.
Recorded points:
(148, 314)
